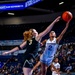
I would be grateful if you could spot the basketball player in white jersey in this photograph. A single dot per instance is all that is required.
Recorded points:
(57, 66)
(50, 49)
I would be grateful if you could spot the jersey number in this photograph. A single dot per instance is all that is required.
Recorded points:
(50, 47)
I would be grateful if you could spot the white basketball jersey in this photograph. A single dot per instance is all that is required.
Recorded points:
(51, 47)
(49, 41)
(56, 65)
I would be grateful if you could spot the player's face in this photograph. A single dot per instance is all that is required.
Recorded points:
(34, 32)
(52, 34)
(56, 60)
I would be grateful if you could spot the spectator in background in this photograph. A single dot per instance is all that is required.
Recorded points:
(69, 58)
(64, 62)
(69, 69)
(73, 65)
(57, 66)
(63, 50)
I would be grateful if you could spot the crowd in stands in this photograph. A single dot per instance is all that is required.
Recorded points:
(12, 65)
(66, 55)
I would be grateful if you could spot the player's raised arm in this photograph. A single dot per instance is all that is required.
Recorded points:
(63, 32)
(48, 29)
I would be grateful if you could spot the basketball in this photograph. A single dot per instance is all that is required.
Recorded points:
(67, 15)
